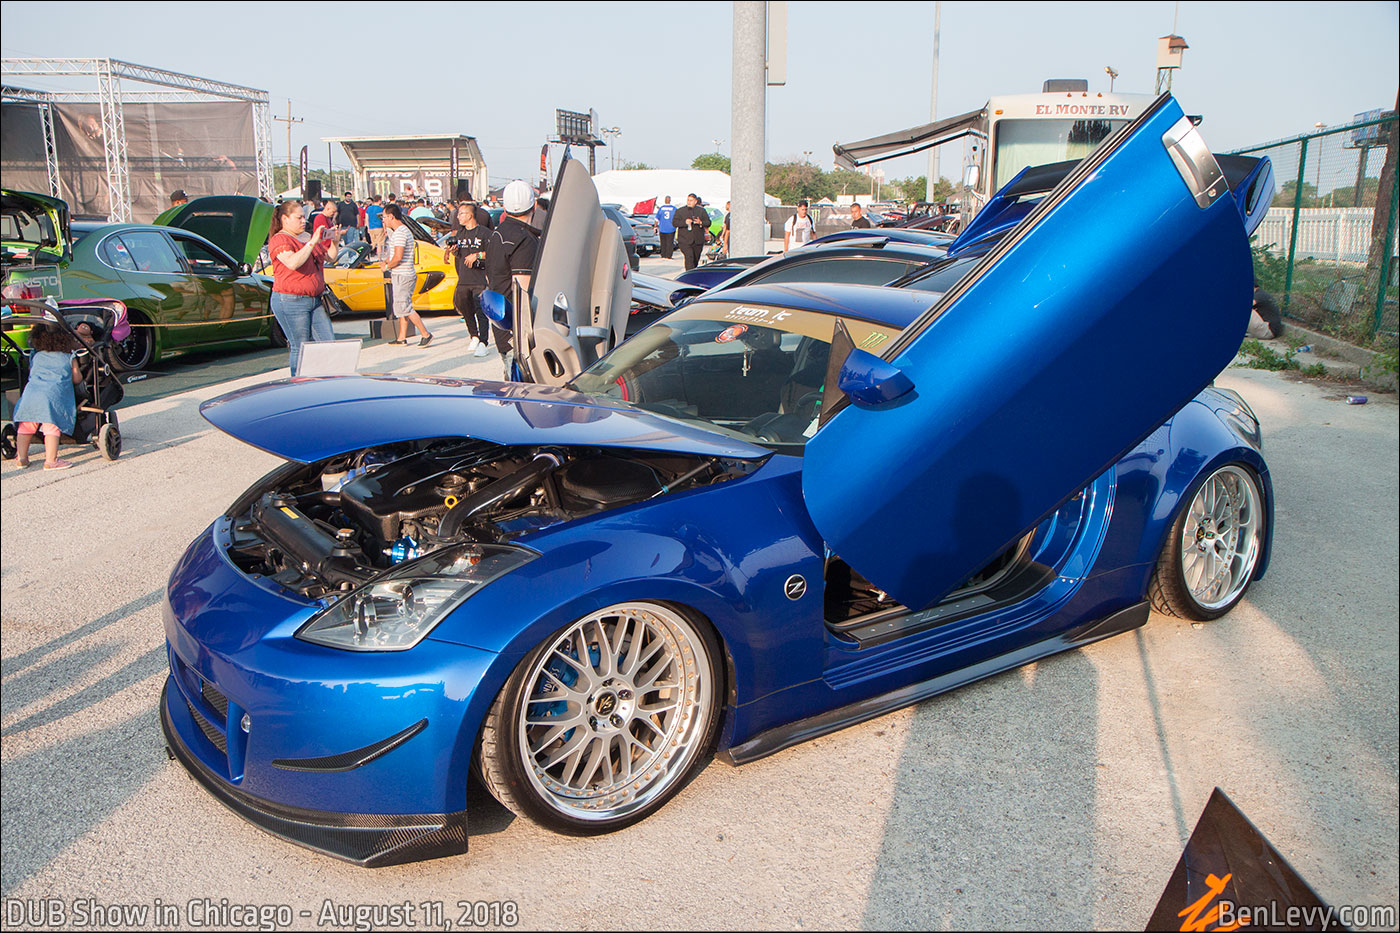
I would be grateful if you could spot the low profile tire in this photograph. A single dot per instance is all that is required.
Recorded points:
(602, 723)
(109, 441)
(137, 350)
(1212, 549)
(8, 443)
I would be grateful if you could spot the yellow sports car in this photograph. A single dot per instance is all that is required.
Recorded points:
(359, 284)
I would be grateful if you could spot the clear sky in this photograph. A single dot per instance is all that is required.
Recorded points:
(660, 71)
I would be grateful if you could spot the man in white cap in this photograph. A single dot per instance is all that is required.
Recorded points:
(510, 256)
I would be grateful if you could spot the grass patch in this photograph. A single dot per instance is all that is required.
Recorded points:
(1258, 356)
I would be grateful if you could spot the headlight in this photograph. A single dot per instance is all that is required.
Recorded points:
(398, 610)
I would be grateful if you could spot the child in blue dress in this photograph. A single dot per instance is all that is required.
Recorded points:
(48, 403)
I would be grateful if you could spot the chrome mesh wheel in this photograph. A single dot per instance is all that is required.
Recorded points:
(1221, 537)
(615, 711)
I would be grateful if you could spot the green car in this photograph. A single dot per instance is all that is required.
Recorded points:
(187, 280)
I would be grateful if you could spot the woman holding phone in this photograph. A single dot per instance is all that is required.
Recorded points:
(297, 279)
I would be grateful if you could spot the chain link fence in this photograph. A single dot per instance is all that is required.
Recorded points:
(1327, 248)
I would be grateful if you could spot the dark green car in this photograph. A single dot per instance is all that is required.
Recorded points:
(181, 290)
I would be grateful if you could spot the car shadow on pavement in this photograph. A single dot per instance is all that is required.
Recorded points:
(13, 665)
(993, 804)
(59, 792)
(40, 682)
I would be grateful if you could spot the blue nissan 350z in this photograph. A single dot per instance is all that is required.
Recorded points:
(780, 511)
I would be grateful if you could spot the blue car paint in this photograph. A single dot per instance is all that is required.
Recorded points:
(720, 551)
(312, 419)
(1132, 348)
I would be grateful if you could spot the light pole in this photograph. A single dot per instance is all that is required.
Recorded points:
(807, 156)
(717, 144)
(611, 133)
(1108, 70)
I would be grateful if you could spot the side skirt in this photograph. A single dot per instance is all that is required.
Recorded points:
(786, 736)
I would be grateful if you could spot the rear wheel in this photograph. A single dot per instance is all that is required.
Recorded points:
(8, 435)
(1212, 549)
(601, 724)
(137, 350)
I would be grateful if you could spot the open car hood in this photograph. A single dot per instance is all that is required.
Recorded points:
(37, 206)
(310, 419)
(235, 223)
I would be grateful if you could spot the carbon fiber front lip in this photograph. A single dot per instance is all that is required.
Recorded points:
(371, 840)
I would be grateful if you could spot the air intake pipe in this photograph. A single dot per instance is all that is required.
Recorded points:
(512, 484)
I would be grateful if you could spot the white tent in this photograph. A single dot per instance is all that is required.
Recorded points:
(628, 187)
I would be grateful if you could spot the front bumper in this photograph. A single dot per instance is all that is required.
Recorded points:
(372, 840)
(363, 756)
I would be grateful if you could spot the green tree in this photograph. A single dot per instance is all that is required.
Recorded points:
(943, 189)
(845, 181)
(793, 181)
(629, 166)
(711, 161)
(333, 183)
(1289, 189)
(913, 187)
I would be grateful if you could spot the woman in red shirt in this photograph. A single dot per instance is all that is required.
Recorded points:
(297, 282)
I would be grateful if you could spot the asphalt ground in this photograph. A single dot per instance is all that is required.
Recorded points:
(1058, 795)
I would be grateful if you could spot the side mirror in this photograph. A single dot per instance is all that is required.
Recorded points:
(496, 307)
(245, 268)
(972, 176)
(682, 295)
(870, 381)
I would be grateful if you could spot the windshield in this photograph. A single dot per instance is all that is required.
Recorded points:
(755, 372)
(1022, 143)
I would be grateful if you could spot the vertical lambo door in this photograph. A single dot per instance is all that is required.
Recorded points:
(581, 288)
(1122, 295)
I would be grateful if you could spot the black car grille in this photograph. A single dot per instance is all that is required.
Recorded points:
(212, 734)
(216, 700)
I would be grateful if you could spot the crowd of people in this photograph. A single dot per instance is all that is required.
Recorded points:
(488, 253)
(306, 235)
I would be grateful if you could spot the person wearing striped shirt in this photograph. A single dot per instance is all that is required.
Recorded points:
(399, 250)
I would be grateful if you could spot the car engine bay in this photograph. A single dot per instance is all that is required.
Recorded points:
(335, 525)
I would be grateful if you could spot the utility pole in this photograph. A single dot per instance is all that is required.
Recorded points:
(748, 88)
(289, 120)
(933, 102)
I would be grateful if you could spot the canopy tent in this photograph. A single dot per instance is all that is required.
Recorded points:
(904, 142)
(425, 166)
(629, 187)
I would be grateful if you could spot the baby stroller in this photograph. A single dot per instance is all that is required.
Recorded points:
(96, 327)
(715, 251)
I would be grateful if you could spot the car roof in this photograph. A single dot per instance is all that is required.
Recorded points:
(893, 307)
(891, 234)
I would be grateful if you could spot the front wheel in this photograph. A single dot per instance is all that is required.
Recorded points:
(1212, 549)
(109, 441)
(601, 724)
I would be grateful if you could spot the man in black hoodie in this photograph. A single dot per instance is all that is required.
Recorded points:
(691, 223)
